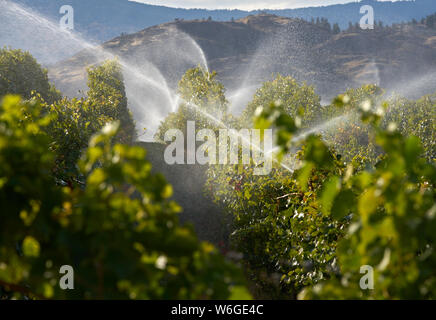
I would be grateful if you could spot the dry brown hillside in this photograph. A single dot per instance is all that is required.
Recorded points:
(247, 51)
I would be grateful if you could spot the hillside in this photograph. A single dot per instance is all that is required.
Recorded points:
(247, 51)
(102, 20)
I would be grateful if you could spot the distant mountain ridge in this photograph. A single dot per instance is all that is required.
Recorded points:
(248, 51)
(102, 20)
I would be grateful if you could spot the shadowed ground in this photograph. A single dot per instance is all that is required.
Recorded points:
(188, 184)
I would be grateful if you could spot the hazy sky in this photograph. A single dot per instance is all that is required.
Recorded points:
(244, 4)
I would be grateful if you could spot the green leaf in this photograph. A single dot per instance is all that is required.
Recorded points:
(167, 191)
(343, 204)
(31, 247)
(304, 174)
(368, 203)
(239, 293)
(413, 149)
(318, 153)
(330, 190)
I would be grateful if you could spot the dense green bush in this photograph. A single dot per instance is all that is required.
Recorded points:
(348, 135)
(392, 211)
(119, 231)
(79, 119)
(107, 96)
(21, 74)
(295, 99)
(355, 140)
(286, 242)
(288, 225)
(202, 99)
(417, 118)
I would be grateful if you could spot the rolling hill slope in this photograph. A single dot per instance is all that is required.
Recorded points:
(248, 51)
(102, 20)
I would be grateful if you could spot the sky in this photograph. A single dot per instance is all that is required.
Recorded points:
(244, 4)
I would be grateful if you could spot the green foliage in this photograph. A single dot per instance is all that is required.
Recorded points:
(201, 88)
(79, 119)
(108, 97)
(202, 100)
(76, 121)
(417, 118)
(393, 218)
(286, 240)
(119, 231)
(21, 74)
(392, 229)
(352, 136)
(294, 99)
(328, 218)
